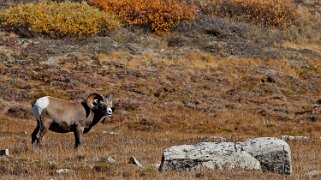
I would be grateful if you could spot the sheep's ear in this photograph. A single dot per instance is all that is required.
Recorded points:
(110, 97)
(95, 102)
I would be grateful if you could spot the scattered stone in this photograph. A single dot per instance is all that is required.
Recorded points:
(61, 171)
(112, 133)
(53, 61)
(110, 159)
(134, 161)
(313, 174)
(294, 138)
(268, 154)
(4, 152)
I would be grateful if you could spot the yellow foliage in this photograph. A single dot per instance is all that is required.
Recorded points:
(158, 15)
(269, 13)
(58, 19)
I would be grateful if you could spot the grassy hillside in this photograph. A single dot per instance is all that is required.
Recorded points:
(211, 74)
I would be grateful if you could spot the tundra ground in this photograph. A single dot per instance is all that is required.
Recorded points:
(213, 77)
(147, 146)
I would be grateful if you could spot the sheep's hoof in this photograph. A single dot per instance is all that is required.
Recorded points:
(77, 148)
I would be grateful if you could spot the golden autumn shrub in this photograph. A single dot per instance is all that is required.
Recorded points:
(269, 13)
(58, 19)
(158, 15)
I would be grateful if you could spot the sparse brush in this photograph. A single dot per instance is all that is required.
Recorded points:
(158, 15)
(58, 19)
(269, 13)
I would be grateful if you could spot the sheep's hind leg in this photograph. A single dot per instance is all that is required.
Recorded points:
(43, 130)
(35, 137)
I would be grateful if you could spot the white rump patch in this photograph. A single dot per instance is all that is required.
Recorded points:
(40, 105)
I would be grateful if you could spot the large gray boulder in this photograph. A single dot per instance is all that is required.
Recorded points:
(267, 154)
(273, 154)
(207, 154)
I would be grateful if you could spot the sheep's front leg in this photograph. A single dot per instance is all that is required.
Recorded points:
(78, 132)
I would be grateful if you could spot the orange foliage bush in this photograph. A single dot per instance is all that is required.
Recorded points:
(269, 13)
(58, 19)
(157, 15)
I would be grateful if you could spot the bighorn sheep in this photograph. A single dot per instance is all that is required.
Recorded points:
(63, 116)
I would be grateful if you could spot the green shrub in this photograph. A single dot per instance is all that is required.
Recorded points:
(269, 13)
(57, 19)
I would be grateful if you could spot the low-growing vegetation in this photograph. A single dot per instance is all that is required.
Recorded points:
(80, 19)
(269, 13)
(58, 19)
(217, 77)
(157, 15)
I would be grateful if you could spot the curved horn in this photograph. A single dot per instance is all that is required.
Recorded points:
(93, 99)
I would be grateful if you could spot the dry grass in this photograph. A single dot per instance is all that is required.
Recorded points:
(170, 124)
(303, 44)
(88, 163)
(196, 60)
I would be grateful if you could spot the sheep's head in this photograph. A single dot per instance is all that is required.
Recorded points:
(97, 103)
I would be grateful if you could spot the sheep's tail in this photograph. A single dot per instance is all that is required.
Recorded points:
(33, 103)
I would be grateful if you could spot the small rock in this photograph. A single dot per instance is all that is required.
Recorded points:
(60, 171)
(110, 159)
(134, 161)
(112, 133)
(52, 61)
(4, 152)
(313, 173)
